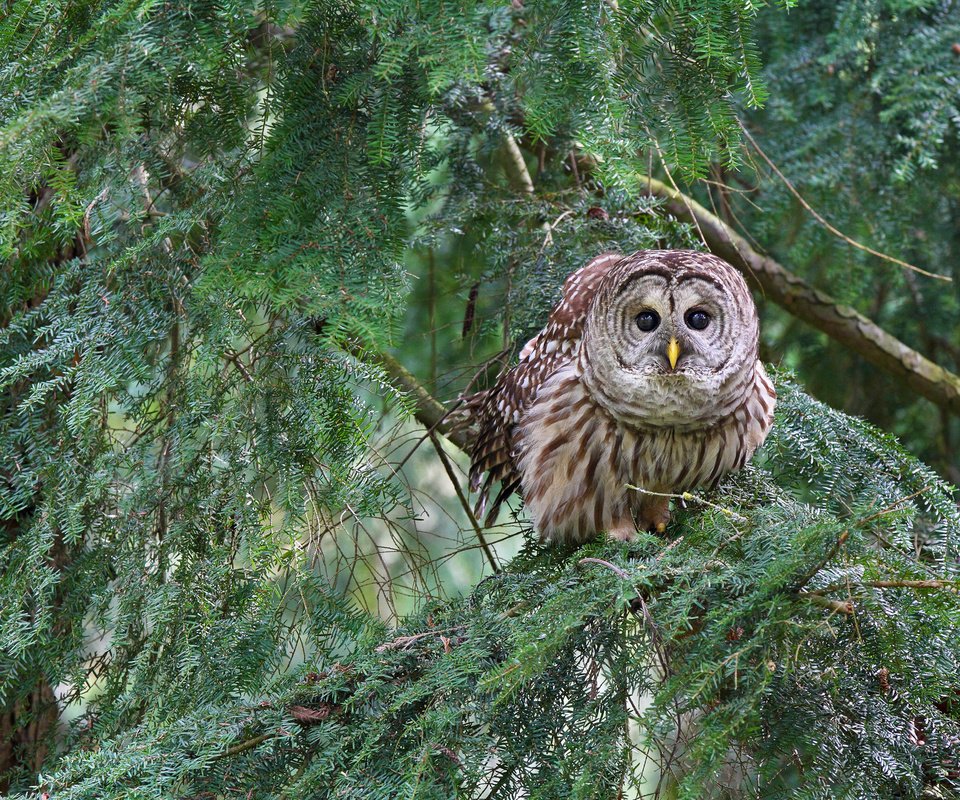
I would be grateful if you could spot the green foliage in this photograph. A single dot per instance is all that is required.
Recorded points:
(756, 648)
(213, 548)
(862, 119)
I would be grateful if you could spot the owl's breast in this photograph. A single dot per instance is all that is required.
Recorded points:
(577, 462)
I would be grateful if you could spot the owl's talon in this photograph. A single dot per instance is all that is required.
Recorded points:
(654, 514)
(622, 533)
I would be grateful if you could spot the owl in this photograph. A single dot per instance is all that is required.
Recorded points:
(646, 375)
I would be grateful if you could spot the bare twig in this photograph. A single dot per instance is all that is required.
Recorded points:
(837, 606)
(448, 468)
(86, 214)
(894, 583)
(929, 583)
(890, 507)
(613, 567)
(403, 642)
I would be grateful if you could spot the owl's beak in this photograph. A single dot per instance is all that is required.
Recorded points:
(673, 352)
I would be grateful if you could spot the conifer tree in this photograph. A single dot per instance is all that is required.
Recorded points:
(236, 557)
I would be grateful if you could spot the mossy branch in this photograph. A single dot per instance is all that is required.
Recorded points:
(427, 409)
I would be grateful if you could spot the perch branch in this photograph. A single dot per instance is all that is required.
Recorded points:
(840, 322)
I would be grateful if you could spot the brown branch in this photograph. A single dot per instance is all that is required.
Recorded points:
(427, 410)
(831, 554)
(840, 322)
(403, 642)
(837, 606)
(893, 583)
(249, 744)
(613, 567)
(930, 583)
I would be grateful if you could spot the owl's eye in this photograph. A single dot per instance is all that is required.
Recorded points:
(697, 319)
(648, 320)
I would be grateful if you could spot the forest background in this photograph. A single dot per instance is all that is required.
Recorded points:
(253, 252)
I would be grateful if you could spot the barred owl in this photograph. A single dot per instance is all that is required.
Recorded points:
(645, 375)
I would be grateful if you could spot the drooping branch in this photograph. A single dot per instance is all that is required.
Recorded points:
(427, 409)
(841, 323)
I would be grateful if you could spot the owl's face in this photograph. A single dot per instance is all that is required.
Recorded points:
(671, 338)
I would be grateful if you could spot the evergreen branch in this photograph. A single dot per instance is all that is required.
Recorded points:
(840, 322)
(808, 576)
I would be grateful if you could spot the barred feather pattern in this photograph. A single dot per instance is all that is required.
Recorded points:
(594, 407)
(578, 486)
(498, 410)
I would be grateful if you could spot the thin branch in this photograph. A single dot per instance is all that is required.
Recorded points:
(819, 218)
(919, 584)
(427, 410)
(690, 498)
(842, 323)
(403, 642)
(837, 606)
(448, 468)
(893, 506)
(893, 583)
(841, 540)
(516, 166)
(612, 567)
(249, 744)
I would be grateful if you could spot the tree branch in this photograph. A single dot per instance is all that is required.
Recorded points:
(841, 323)
(515, 165)
(427, 409)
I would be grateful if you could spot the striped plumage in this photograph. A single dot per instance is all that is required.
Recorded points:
(595, 403)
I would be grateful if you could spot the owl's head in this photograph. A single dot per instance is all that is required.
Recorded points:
(670, 339)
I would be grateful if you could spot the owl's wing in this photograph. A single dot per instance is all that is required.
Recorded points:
(495, 412)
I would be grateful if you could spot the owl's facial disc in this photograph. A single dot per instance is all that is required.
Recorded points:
(673, 329)
(667, 338)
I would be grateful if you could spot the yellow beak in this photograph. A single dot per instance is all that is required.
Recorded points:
(673, 352)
